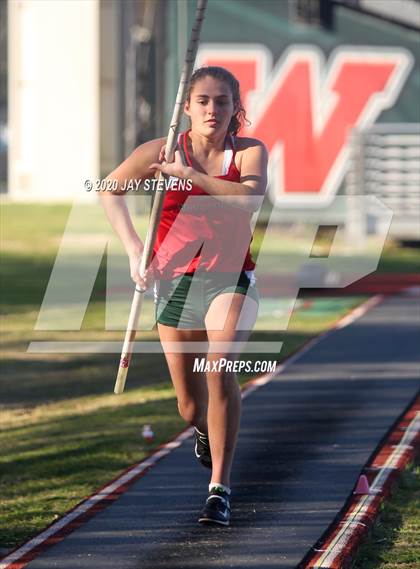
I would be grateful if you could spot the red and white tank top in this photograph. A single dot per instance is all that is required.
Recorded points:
(200, 232)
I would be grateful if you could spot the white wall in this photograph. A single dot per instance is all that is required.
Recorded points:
(407, 11)
(53, 98)
(110, 88)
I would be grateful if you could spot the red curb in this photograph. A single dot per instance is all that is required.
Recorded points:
(338, 546)
(101, 502)
(374, 283)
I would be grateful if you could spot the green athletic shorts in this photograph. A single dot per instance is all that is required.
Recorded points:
(183, 302)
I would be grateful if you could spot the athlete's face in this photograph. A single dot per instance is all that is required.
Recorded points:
(211, 106)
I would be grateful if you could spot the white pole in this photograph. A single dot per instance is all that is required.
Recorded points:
(159, 196)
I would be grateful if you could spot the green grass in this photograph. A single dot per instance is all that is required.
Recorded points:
(55, 454)
(394, 542)
(400, 259)
(63, 433)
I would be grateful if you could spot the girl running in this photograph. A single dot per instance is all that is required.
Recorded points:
(205, 291)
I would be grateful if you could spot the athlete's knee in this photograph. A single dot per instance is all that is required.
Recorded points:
(223, 382)
(190, 411)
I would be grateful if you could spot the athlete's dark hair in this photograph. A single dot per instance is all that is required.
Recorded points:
(239, 118)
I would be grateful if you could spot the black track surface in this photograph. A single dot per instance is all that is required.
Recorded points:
(304, 439)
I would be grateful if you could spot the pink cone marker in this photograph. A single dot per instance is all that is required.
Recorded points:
(362, 486)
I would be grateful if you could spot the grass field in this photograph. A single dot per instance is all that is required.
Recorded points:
(63, 433)
(394, 542)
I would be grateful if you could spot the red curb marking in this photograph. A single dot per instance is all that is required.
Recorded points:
(107, 494)
(81, 513)
(376, 283)
(337, 549)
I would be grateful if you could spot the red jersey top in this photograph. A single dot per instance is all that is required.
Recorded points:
(200, 232)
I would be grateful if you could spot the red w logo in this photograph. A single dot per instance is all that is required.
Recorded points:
(304, 111)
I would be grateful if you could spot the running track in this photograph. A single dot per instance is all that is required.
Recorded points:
(305, 437)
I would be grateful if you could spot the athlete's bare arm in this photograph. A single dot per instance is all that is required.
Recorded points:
(135, 167)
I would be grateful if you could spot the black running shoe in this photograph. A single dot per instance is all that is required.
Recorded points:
(217, 508)
(202, 448)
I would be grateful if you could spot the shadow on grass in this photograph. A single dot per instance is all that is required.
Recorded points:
(67, 458)
(25, 279)
(32, 381)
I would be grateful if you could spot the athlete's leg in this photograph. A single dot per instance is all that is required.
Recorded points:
(190, 386)
(224, 404)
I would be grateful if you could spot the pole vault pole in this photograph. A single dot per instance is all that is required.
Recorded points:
(159, 197)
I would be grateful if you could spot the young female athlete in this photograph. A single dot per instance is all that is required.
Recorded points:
(205, 290)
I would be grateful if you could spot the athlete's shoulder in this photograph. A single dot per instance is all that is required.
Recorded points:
(246, 142)
(250, 149)
(151, 145)
(147, 152)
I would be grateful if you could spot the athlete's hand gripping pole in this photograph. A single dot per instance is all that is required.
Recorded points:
(159, 196)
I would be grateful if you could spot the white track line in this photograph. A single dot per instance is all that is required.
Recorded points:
(89, 503)
(165, 449)
(361, 508)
